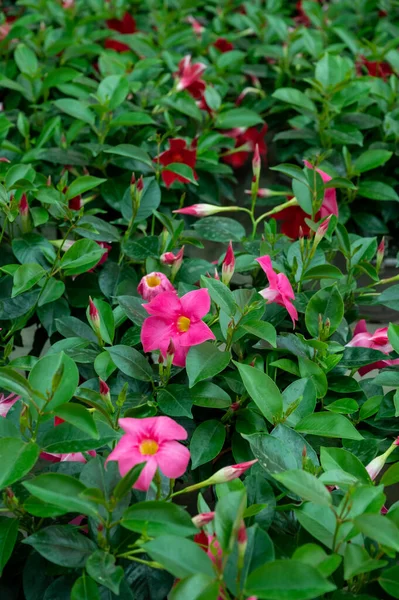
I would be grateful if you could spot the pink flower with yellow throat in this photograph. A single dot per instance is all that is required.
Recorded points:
(179, 320)
(153, 441)
(153, 284)
(280, 290)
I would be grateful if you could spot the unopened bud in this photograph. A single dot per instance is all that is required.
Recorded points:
(235, 406)
(23, 207)
(376, 465)
(228, 265)
(242, 541)
(380, 254)
(229, 473)
(321, 231)
(140, 184)
(203, 519)
(133, 179)
(48, 182)
(216, 276)
(122, 396)
(94, 318)
(256, 164)
(105, 394)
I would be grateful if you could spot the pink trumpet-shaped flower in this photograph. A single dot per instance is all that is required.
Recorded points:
(376, 341)
(377, 464)
(151, 440)
(228, 265)
(153, 284)
(189, 77)
(231, 472)
(176, 319)
(280, 290)
(204, 210)
(7, 402)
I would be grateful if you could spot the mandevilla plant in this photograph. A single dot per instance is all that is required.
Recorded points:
(199, 383)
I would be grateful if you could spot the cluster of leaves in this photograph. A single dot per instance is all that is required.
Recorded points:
(79, 116)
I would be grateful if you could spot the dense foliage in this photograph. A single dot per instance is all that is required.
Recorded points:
(192, 199)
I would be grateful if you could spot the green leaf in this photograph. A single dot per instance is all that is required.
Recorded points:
(154, 518)
(131, 362)
(175, 401)
(303, 194)
(196, 587)
(107, 320)
(292, 171)
(263, 391)
(371, 159)
(182, 170)
(207, 442)
(358, 561)
(389, 581)
(130, 151)
(62, 491)
(81, 257)
(208, 394)
(338, 458)
(54, 379)
(237, 117)
(287, 580)
(85, 588)
(26, 60)
(205, 361)
(220, 294)
(82, 185)
(101, 567)
(25, 277)
(58, 76)
(379, 528)
(132, 119)
(393, 336)
(8, 537)
(62, 545)
(305, 485)
(179, 556)
(125, 485)
(220, 229)
(12, 381)
(391, 475)
(112, 91)
(345, 406)
(328, 425)
(296, 98)
(16, 458)
(323, 272)
(328, 303)
(332, 70)
(377, 190)
(79, 416)
(141, 248)
(228, 518)
(52, 291)
(263, 330)
(308, 368)
(76, 109)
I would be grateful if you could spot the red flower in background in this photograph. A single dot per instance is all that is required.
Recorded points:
(124, 26)
(223, 45)
(189, 77)
(248, 138)
(302, 18)
(6, 27)
(178, 153)
(374, 68)
(107, 248)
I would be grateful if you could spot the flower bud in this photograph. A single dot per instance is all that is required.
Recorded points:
(242, 541)
(229, 473)
(105, 394)
(204, 210)
(376, 465)
(321, 231)
(48, 182)
(94, 318)
(75, 203)
(140, 184)
(380, 254)
(228, 265)
(203, 519)
(256, 164)
(174, 260)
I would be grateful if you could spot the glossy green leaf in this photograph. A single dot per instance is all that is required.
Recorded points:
(263, 391)
(205, 361)
(155, 518)
(207, 442)
(16, 458)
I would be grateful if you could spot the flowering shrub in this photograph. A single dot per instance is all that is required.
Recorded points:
(193, 405)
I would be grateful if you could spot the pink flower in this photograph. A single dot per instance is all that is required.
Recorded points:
(168, 258)
(212, 547)
(176, 319)
(377, 464)
(280, 290)
(189, 77)
(203, 519)
(231, 472)
(376, 341)
(151, 440)
(7, 402)
(104, 258)
(196, 25)
(203, 210)
(228, 265)
(70, 457)
(177, 153)
(153, 284)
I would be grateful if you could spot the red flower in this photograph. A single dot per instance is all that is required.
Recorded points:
(374, 68)
(248, 138)
(189, 77)
(107, 248)
(124, 26)
(75, 203)
(302, 18)
(177, 153)
(223, 45)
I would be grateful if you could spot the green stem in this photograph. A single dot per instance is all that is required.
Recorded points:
(274, 211)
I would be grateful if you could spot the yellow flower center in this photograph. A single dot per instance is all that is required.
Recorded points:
(149, 447)
(153, 280)
(183, 324)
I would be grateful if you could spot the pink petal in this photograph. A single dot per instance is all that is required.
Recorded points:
(270, 295)
(166, 305)
(266, 264)
(196, 304)
(284, 286)
(198, 333)
(330, 205)
(292, 311)
(146, 475)
(156, 333)
(180, 355)
(361, 327)
(173, 459)
(361, 340)
(165, 429)
(128, 444)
